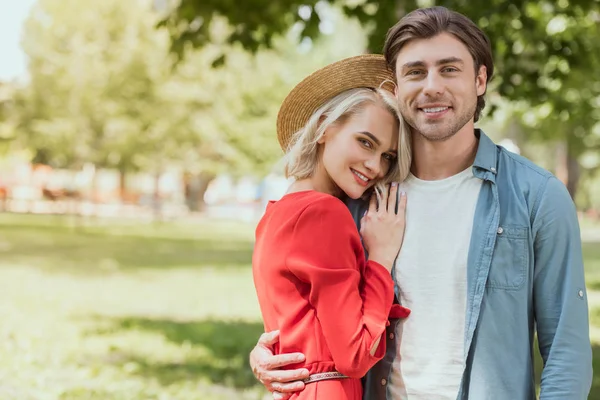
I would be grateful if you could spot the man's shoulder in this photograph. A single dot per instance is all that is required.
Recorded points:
(509, 167)
(520, 179)
(521, 167)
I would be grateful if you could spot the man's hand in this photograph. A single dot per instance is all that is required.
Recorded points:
(265, 366)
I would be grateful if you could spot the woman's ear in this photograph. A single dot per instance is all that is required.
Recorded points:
(322, 139)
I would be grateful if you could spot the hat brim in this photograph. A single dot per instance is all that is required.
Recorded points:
(367, 70)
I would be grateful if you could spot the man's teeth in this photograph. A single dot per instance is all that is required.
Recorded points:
(361, 176)
(435, 109)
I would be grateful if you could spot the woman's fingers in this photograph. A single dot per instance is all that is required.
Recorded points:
(373, 202)
(402, 204)
(392, 199)
(381, 198)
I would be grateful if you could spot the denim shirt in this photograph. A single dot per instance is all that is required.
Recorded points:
(524, 274)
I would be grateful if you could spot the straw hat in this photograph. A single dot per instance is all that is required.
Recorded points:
(367, 70)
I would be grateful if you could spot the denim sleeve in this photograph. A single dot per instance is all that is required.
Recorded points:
(559, 296)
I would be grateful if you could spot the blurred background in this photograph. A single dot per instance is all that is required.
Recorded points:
(138, 150)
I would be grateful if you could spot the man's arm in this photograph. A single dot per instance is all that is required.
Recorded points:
(559, 296)
(282, 383)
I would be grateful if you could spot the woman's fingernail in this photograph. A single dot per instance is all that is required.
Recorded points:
(403, 193)
(394, 184)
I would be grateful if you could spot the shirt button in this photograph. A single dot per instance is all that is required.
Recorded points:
(392, 335)
(500, 230)
(580, 294)
(493, 170)
(383, 382)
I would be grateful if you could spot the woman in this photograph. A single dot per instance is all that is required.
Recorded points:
(343, 138)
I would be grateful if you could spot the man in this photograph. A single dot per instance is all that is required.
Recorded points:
(492, 250)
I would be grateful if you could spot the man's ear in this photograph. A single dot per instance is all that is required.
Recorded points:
(481, 80)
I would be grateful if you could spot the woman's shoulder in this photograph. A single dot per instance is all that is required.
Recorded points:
(311, 207)
(324, 204)
(326, 213)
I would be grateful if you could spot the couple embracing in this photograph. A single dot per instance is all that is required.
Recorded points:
(413, 258)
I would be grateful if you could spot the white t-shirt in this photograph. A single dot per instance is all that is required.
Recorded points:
(431, 272)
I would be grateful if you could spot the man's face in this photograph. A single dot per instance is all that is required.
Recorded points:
(438, 86)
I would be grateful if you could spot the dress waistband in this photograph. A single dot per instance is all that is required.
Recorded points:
(324, 376)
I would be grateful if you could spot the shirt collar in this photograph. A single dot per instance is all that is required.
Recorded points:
(487, 153)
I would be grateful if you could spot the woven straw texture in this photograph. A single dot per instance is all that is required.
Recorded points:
(367, 70)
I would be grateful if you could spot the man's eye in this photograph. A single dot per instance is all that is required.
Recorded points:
(450, 69)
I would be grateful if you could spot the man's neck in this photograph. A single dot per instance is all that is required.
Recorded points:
(435, 160)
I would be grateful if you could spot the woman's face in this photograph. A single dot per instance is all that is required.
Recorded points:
(358, 153)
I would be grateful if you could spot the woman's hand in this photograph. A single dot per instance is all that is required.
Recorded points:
(382, 228)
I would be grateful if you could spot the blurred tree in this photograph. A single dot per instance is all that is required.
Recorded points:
(546, 52)
(96, 75)
(235, 106)
(103, 89)
(7, 117)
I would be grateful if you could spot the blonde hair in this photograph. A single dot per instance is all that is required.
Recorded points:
(301, 158)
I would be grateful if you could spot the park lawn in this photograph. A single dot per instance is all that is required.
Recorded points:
(126, 312)
(129, 311)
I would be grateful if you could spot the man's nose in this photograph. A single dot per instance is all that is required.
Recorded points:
(434, 85)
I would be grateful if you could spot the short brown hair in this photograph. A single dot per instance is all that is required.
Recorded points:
(425, 23)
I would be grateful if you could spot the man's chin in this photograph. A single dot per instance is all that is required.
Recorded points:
(435, 133)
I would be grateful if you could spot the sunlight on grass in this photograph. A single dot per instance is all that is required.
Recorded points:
(126, 312)
(122, 311)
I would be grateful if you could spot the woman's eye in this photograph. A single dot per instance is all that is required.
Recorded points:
(389, 157)
(365, 143)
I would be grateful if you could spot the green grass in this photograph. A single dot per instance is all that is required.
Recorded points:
(126, 311)
(116, 310)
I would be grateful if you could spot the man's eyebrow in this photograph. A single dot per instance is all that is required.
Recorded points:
(413, 64)
(372, 137)
(447, 60)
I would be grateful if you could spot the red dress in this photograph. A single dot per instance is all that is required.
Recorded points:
(314, 285)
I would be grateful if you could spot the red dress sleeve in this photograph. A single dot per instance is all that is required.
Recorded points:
(326, 253)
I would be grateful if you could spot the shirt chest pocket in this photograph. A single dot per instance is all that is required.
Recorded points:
(509, 260)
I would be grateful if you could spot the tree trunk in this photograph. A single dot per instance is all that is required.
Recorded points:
(567, 168)
(204, 180)
(400, 10)
(195, 189)
(95, 193)
(573, 173)
(156, 199)
(123, 186)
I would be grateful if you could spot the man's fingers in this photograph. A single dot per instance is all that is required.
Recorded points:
(287, 388)
(282, 360)
(283, 376)
(269, 338)
(281, 396)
